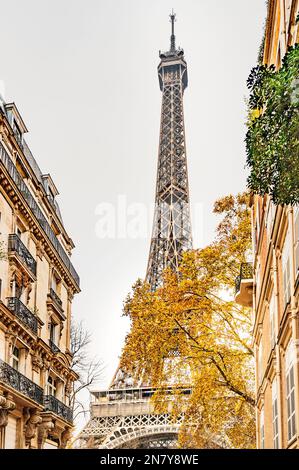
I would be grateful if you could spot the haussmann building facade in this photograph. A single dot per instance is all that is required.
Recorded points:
(37, 285)
(271, 285)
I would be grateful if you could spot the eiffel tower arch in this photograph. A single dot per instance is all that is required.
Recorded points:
(123, 416)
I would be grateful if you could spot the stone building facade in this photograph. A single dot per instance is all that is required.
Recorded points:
(272, 286)
(37, 286)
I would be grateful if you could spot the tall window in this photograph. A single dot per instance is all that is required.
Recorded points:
(290, 388)
(260, 363)
(258, 280)
(275, 415)
(52, 386)
(296, 238)
(19, 232)
(286, 269)
(55, 283)
(15, 358)
(272, 312)
(262, 429)
(53, 335)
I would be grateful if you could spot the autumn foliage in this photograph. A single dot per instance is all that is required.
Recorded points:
(190, 332)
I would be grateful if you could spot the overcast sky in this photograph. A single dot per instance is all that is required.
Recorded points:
(83, 74)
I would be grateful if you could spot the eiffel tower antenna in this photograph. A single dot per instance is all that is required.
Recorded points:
(172, 37)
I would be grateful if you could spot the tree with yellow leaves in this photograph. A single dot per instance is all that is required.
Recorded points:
(190, 332)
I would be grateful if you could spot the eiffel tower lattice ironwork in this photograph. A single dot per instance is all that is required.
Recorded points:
(123, 416)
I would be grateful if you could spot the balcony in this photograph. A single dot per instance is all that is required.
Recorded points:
(18, 251)
(244, 285)
(51, 403)
(55, 349)
(23, 313)
(18, 381)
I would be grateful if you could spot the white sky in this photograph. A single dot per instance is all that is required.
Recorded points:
(84, 77)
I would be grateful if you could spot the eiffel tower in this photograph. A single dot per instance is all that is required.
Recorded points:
(123, 416)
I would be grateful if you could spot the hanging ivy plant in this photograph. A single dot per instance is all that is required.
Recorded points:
(272, 139)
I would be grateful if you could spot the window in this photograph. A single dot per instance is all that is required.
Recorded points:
(262, 429)
(286, 269)
(19, 232)
(52, 386)
(257, 219)
(272, 311)
(55, 283)
(53, 328)
(260, 363)
(15, 358)
(51, 196)
(17, 132)
(290, 389)
(296, 238)
(275, 415)
(258, 280)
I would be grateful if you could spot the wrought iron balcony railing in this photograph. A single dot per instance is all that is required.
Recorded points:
(53, 346)
(55, 297)
(16, 245)
(23, 313)
(24, 190)
(19, 382)
(51, 403)
(246, 272)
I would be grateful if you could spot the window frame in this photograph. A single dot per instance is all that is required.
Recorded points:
(272, 315)
(260, 363)
(15, 358)
(51, 386)
(290, 392)
(286, 269)
(262, 429)
(275, 415)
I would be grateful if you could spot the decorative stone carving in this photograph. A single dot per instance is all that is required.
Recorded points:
(29, 289)
(6, 405)
(40, 252)
(61, 328)
(32, 420)
(37, 362)
(65, 437)
(43, 430)
(68, 387)
(46, 363)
